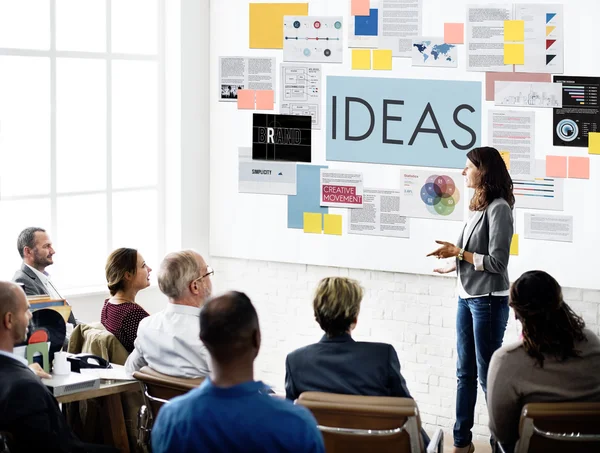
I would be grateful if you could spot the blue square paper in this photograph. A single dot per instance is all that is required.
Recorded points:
(366, 25)
(307, 198)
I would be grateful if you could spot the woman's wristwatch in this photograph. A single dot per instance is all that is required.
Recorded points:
(460, 254)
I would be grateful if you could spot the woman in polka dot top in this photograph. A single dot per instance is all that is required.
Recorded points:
(126, 274)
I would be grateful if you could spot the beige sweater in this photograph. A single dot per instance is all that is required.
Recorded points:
(515, 379)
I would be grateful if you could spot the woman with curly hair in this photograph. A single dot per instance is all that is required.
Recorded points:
(481, 261)
(556, 360)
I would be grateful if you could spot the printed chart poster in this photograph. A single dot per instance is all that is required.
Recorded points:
(341, 189)
(315, 39)
(243, 73)
(580, 112)
(432, 195)
(281, 137)
(424, 123)
(540, 192)
(380, 215)
(277, 178)
(301, 91)
(544, 43)
(434, 52)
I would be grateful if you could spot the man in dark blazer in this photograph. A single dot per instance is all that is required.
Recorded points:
(28, 411)
(35, 248)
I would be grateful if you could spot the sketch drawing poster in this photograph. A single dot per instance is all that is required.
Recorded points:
(544, 42)
(243, 73)
(429, 195)
(399, 22)
(380, 215)
(341, 189)
(514, 131)
(528, 94)
(301, 91)
(315, 39)
(434, 52)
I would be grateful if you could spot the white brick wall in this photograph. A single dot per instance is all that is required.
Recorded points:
(415, 313)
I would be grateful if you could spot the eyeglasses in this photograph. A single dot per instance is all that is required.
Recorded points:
(209, 271)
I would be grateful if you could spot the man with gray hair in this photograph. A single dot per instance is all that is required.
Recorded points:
(169, 341)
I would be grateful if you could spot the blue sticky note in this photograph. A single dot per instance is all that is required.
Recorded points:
(366, 25)
(307, 199)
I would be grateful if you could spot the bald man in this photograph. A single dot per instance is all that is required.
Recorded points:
(28, 411)
(208, 418)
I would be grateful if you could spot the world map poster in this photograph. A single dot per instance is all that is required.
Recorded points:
(434, 52)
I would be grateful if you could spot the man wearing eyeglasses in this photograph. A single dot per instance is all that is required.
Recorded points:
(169, 341)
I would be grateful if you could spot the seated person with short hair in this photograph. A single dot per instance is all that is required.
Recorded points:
(231, 412)
(169, 341)
(126, 274)
(337, 363)
(28, 411)
(557, 359)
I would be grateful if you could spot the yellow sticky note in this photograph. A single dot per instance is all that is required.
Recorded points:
(333, 224)
(594, 143)
(514, 30)
(313, 222)
(382, 60)
(266, 23)
(514, 53)
(514, 245)
(361, 59)
(506, 157)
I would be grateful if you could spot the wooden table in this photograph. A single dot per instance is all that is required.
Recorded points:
(110, 392)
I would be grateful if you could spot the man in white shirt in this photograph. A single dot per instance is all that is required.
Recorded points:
(35, 247)
(169, 341)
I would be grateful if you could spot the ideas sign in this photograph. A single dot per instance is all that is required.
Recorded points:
(428, 123)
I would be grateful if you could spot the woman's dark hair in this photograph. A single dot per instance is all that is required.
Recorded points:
(495, 181)
(120, 262)
(550, 327)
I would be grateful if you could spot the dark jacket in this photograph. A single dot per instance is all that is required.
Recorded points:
(33, 286)
(342, 365)
(30, 412)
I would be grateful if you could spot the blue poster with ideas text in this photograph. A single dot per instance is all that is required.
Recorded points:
(428, 123)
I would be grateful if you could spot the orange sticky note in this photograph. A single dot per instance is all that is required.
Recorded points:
(594, 143)
(245, 99)
(361, 7)
(579, 167)
(265, 99)
(454, 33)
(556, 166)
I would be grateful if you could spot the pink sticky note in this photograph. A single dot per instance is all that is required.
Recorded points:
(579, 167)
(245, 99)
(556, 166)
(454, 33)
(361, 7)
(265, 99)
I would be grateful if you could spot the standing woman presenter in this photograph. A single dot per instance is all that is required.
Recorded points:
(481, 263)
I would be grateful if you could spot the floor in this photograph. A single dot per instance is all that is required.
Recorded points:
(480, 447)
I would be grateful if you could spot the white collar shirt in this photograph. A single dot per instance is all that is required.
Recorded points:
(169, 342)
(14, 357)
(45, 279)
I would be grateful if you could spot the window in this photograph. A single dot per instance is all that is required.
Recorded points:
(82, 131)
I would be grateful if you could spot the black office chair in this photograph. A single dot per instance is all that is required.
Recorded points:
(5, 441)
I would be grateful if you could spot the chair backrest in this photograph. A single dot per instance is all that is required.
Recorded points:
(365, 423)
(159, 388)
(560, 427)
(6, 442)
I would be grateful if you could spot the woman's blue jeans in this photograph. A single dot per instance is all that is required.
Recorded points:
(480, 326)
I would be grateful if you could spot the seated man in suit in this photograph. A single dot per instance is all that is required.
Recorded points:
(337, 363)
(28, 411)
(169, 341)
(231, 412)
(35, 247)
